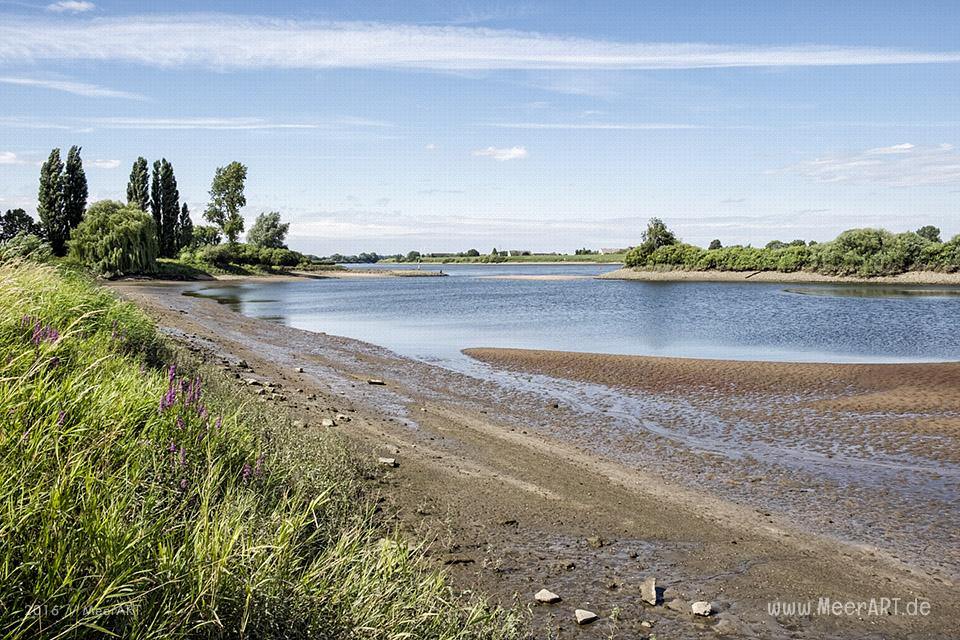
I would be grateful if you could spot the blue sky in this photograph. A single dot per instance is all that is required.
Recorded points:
(390, 126)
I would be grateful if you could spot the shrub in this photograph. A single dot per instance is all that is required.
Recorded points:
(114, 239)
(25, 246)
(224, 255)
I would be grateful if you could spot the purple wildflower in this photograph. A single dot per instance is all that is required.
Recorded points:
(258, 467)
(183, 483)
(61, 418)
(202, 412)
(218, 423)
(247, 471)
(180, 423)
(183, 457)
(171, 374)
(173, 447)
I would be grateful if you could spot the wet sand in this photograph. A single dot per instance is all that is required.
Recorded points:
(678, 275)
(725, 491)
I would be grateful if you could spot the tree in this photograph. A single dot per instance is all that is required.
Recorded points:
(204, 236)
(929, 232)
(268, 231)
(138, 187)
(473, 253)
(184, 229)
(226, 200)
(50, 203)
(74, 189)
(715, 244)
(413, 256)
(655, 236)
(115, 239)
(169, 210)
(17, 221)
(165, 206)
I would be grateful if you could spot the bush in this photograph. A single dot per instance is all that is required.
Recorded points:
(225, 255)
(25, 246)
(114, 239)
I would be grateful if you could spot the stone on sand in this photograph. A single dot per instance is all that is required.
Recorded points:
(648, 590)
(328, 422)
(387, 462)
(677, 604)
(544, 595)
(376, 381)
(701, 608)
(584, 617)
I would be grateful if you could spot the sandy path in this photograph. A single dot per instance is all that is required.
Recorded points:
(510, 506)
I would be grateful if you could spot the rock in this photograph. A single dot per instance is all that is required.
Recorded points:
(343, 418)
(646, 624)
(376, 381)
(252, 382)
(595, 542)
(388, 462)
(299, 424)
(701, 608)
(648, 590)
(243, 364)
(584, 617)
(261, 391)
(328, 422)
(299, 369)
(677, 604)
(549, 597)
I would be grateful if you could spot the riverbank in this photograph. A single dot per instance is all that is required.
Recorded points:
(587, 496)
(799, 277)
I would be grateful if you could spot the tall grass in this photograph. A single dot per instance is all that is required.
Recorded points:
(145, 501)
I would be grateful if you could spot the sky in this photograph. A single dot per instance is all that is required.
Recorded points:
(547, 126)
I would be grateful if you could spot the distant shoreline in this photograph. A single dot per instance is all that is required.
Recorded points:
(909, 278)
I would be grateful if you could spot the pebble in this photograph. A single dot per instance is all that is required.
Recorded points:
(328, 422)
(648, 590)
(584, 617)
(546, 596)
(677, 605)
(388, 462)
(299, 369)
(252, 382)
(375, 381)
(646, 624)
(701, 608)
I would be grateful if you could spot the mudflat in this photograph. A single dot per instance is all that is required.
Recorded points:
(748, 485)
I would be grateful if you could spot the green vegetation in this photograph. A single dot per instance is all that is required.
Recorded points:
(267, 231)
(856, 252)
(62, 197)
(149, 501)
(238, 257)
(226, 200)
(15, 222)
(499, 257)
(115, 239)
(138, 188)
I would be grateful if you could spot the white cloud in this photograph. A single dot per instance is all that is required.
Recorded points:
(188, 123)
(106, 164)
(900, 165)
(513, 153)
(431, 147)
(76, 88)
(71, 6)
(9, 157)
(615, 126)
(241, 42)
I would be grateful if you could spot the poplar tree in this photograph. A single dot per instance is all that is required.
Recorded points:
(50, 203)
(184, 228)
(156, 203)
(226, 200)
(169, 210)
(138, 187)
(74, 189)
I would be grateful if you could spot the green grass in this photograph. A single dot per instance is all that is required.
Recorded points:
(123, 514)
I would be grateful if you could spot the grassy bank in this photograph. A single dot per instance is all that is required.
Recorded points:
(141, 497)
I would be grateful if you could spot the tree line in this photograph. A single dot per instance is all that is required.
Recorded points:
(115, 237)
(855, 252)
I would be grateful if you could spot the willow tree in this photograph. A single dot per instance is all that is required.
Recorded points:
(115, 239)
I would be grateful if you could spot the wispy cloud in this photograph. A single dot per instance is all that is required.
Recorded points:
(106, 164)
(9, 157)
(512, 153)
(240, 42)
(899, 165)
(71, 6)
(76, 88)
(239, 123)
(615, 126)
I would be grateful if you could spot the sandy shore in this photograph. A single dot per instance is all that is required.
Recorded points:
(709, 475)
(912, 278)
